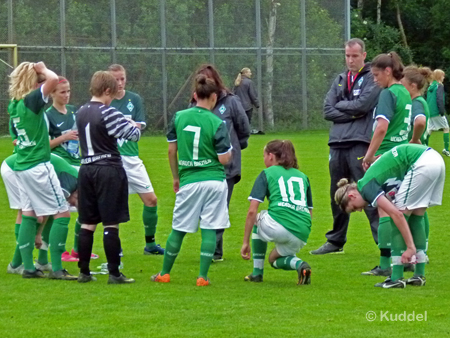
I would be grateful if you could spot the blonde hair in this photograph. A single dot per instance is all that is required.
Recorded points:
(22, 80)
(438, 75)
(341, 194)
(238, 80)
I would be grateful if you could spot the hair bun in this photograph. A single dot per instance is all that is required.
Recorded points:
(342, 182)
(201, 79)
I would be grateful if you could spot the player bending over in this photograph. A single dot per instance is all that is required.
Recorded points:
(102, 181)
(287, 223)
(201, 140)
(403, 182)
(67, 177)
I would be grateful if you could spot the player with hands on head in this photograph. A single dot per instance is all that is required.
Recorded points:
(199, 147)
(40, 190)
(287, 223)
(403, 182)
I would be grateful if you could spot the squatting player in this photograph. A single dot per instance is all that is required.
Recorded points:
(130, 104)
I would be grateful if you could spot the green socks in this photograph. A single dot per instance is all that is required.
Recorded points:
(259, 248)
(384, 242)
(287, 263)
(150, 219)
(17, 258)
(58, 237)
(446, 141)
(43, 251)
(27, 233)
(417, 226)
(427, 229)
(173, 246)
(77, 232)
(207, 251)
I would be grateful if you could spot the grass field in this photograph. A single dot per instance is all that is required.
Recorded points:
(335, 304)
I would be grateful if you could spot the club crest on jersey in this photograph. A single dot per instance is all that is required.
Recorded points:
(222, 109)
(360, 81)
(130, 106)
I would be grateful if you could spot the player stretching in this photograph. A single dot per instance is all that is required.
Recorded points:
(130, 104)
(40, 191)
(287, 223)
(201, 140)
(420, 174)
(102, 181)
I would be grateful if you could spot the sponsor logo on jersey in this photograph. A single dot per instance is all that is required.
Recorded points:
(130, 106)
(356, 92)
(59, 124)
(121, 142)
(222, 109)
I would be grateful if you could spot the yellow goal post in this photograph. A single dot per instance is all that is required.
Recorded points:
(13, 55)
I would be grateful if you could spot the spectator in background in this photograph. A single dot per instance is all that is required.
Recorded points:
(349, 105)
(245, 90)
(229, 109)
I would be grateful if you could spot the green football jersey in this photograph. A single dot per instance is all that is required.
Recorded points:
(201, 136)
(289, 195)
(59, 124)
(394, 105)
(130, 105)
(385, 176)
(30, 125)
(419, 108)
(67, 175)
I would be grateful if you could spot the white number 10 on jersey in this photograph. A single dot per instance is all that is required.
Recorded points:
(292, 193)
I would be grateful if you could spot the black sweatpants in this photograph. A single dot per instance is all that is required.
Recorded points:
(219, 233)
(347, 163)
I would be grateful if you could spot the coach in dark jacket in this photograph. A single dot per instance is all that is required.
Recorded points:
(245, 90)
(349, 105)
(229, 109)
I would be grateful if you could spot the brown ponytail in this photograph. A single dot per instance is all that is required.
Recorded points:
(416, 75)
(284, 152)
(391, 60)
(341, 194)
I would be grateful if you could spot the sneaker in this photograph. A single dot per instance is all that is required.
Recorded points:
(75, 254)
(157, 250)
(62, 275)
(122, 279)
(408, 267)
(82, 278)
(304, 274)
(376, 271)
(416, 281)
(253, 278)
(67, 257)
(446, 152)
(327, 248)
(217, 259)
(33, 274)
(203, 282)
(14, 271)
(389, 284)
(43, 267)
(160, 279)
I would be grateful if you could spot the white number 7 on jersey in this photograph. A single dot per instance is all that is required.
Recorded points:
(195, 130)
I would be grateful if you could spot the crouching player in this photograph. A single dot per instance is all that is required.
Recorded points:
(203, 145)
(403, 182)
(287, 223)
